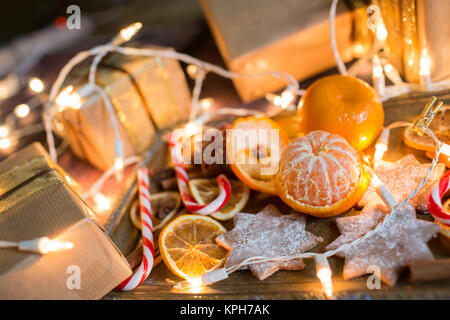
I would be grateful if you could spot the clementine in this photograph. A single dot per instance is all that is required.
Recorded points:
(343, 105)
(321, 174)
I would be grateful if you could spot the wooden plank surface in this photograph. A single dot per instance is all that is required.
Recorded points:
(296, 284)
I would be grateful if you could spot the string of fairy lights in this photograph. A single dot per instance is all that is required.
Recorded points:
(201, 112)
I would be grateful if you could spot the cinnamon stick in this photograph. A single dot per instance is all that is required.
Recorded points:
(429, 270)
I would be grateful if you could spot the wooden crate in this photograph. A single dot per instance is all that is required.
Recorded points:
(301, 284)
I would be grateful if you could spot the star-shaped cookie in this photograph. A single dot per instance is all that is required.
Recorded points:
(270, 234)
(399, 242)
(401, 178)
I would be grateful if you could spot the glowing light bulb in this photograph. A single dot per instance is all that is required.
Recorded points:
(5, 143)
(380, 149)
(127, 33)
(4, 131)
(381, 31)
(192, 71)
(424, 71)
(286, 98)
(47, 245)
(277, 101)
(22, 110)
(195, 282)
(323, 272)
(68, 98)
(102, 202)
(191, 128)
(36, 85)
(425, 63)
(206, 103)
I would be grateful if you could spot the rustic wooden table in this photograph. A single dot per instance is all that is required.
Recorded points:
(291, 284)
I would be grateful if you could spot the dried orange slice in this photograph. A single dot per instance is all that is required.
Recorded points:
(440, 127)
(321, 174)
(442, 158)
(206, 190)
(164, 207)
(188, 247)
(254, 146)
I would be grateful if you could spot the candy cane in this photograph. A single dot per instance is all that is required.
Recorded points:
(147, 234)
(183, 184)
(435, 200)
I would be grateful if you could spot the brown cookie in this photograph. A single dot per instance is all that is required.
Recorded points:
(403, 240)
(268, 234)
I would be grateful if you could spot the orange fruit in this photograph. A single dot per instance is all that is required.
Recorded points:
(343, 105)
(321, 174)
(188, 248)
(254, 146)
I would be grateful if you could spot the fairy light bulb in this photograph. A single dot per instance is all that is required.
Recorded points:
(4, 131)
(22, 110)
(191, 129)
(206, 103)
(5, 143)
(129, 32)
(286, 98)
(44, 245)
(36, 85)
(445, 149)
(323, 272)
(378, 75)
(381, 32)
(102, 203)
(47, 245)
(424, 71)
(192, 71)
(68, 98)
(381, 146)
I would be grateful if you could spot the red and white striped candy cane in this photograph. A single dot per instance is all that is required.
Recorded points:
(183, 180)
(435, 200)
(147, 234)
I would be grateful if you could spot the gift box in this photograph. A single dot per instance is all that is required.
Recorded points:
(415, 26)
(256, 36)
(36, 201)
(147, 94)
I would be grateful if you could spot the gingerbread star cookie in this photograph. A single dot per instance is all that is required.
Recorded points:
(401, 178)
(399, 242)
(270, 234)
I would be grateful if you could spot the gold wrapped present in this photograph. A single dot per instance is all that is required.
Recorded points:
(36, 201)
(418, 29)
(147, 94)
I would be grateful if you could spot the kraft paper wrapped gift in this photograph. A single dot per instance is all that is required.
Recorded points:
(256, 36)
(147, 93)
(36, 201)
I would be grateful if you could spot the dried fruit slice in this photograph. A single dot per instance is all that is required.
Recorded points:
(254, 146)
(188, 247)
(442, 158)
(206, 190)
(440, 127)
(321, 174)
(164, 207)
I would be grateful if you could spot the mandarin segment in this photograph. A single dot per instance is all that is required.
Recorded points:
(320, 174)
(188, 247)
